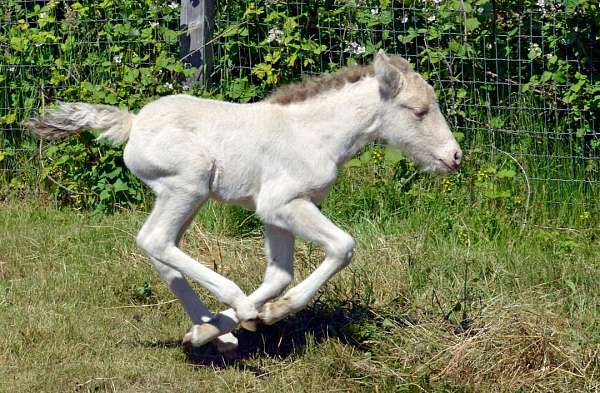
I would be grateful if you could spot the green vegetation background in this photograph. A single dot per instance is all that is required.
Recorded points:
(517, 80)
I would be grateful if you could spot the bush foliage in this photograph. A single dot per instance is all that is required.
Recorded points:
(493, 63)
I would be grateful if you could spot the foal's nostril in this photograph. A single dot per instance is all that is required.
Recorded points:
(458, 156)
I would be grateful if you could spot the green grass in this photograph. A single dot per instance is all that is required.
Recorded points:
(438, 300)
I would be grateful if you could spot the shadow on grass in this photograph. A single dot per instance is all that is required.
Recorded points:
(350, 323)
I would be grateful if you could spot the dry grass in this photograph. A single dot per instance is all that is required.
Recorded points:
(82, 311)
(509, 348)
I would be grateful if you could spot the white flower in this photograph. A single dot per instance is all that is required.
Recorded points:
(374, 11)
(542, 6)
(118, 59)
(404, 19)
(153, 24)
(548, 56)
(355, 48)
(173, 5)
(12, 69)
(43, 15)
(437, 1)
(480, 10)
(169, 85)
(275, 35)
(431, 18)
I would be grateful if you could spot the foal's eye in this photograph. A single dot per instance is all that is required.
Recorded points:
(420, 112)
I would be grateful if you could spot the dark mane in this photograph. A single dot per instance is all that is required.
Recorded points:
(313, 86)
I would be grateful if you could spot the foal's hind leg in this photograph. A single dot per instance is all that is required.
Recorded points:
(196, 310)
(158, 237)
(193, 306)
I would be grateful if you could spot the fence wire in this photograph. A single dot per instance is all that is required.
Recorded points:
(500, 69)
(511, 76)
(106, 51)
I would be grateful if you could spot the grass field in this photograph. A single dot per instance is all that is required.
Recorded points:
(421, 309)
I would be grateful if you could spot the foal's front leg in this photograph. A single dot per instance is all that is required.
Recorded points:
(193, 306)
(304, 219)
(279, 249)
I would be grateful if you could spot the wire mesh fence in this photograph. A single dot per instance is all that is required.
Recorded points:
(115, 53)
(516, 80)
(504, 71)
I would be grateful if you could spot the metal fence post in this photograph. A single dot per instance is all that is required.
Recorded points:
(197, 18)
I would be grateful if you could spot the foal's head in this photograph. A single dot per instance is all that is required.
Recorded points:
(411, 117)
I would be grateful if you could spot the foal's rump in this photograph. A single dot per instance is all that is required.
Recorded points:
(211, 147)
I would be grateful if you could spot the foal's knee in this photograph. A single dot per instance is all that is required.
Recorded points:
(342, 249)
(167, 273)
(152, 244)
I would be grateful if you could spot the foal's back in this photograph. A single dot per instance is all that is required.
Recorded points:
(231, 146)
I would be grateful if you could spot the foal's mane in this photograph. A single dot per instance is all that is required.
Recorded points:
(313, 86)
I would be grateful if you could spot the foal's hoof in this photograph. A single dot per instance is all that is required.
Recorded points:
(246, 312)
(201, 335)
(274, 311)
(226, 343)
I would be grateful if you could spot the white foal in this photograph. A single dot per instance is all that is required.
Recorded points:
(278, 157)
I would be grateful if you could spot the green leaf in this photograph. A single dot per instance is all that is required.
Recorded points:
(131, 75)
(496, 122)
(506, 173)
(456, 47)
(355, 162)
(459, 136)
(498, 194)
(120, 186)
(546, 76)
(581, 132)
(392, 155)
(366, 156)
(8, 119)
(559, 77)
(472, 23)
(534, 53)
(105, 194)
(570, 5)
(388, 324)
(114, 173)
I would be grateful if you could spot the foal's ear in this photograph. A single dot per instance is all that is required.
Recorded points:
(390, 78)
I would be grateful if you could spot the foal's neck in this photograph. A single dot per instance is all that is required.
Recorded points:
(340, 122)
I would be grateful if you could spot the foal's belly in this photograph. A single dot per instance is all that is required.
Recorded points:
(236, 186)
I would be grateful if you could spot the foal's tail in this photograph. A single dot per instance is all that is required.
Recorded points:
(71, 118)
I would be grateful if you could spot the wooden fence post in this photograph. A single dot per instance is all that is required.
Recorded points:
(197, 17)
